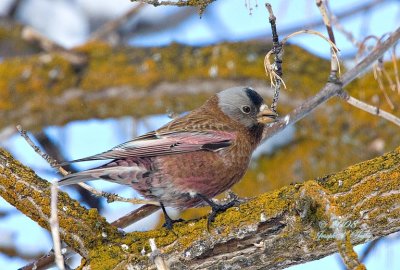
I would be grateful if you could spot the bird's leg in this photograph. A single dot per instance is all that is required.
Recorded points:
(169, 222)
(216, 208)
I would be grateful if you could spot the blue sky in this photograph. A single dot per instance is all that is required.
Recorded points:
(67, 22)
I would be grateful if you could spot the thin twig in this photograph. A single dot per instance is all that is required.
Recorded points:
(45, 156)
(374, 55)
(338, 26)
(111, 197)
(31, 35)
(330, 89)
(277, 50)
(54, 227)
(381, 73)
(363, 48)
(378, 68)
(326, 18)
(396, 70)
(270, 69)
(156, 256)
(180, 3)
(135, 215)
(111, 27)
(378, 71)
(357, 8)
(335, 66)
(13, 250)
(312, 32)
(373, 110)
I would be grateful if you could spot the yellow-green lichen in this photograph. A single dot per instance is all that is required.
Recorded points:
(107, 251)
(22, 188)
(73, 93)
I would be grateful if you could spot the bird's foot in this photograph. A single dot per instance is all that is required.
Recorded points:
(169, 222)
(218, 208)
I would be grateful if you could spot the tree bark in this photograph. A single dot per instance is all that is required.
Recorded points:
(289, 226)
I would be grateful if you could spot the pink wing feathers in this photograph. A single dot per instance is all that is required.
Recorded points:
(153, 144)
(148, 145)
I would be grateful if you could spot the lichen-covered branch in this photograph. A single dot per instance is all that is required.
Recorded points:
(257, 233)
(133, 81)
(80, 228)
(11, 41)
(201, 4)
(283, 228)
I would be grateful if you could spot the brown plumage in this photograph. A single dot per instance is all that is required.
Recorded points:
(193, 158)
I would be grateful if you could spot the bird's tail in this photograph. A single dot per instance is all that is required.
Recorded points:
(118, 174)
(101, 156)
(75, 178)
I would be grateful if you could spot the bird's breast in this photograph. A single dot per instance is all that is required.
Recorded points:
(205, 172)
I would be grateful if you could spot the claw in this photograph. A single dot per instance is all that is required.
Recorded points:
(169, 222)
(217, 208)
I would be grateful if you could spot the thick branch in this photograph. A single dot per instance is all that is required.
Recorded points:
(257, 233)
(80, 228)
(132, 81)
(281, 228)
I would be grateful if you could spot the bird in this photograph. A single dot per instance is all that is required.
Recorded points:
(191, 159)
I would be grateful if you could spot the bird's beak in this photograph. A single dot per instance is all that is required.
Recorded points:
(266, 115)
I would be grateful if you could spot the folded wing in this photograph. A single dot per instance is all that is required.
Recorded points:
(153, 144)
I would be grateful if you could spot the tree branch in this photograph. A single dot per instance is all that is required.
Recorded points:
(81, 229)
(259, 232)
(273, 217)
(131, 81)
(256, 233)
(109, 29)
(201, 4)
(148, 77)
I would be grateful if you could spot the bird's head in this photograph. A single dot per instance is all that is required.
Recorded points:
(246, 106)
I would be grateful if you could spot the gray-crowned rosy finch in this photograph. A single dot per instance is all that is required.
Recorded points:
(191, 159)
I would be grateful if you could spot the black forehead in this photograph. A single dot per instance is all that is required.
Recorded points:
(254, 97)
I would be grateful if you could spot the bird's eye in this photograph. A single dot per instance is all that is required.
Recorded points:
(246, 109)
